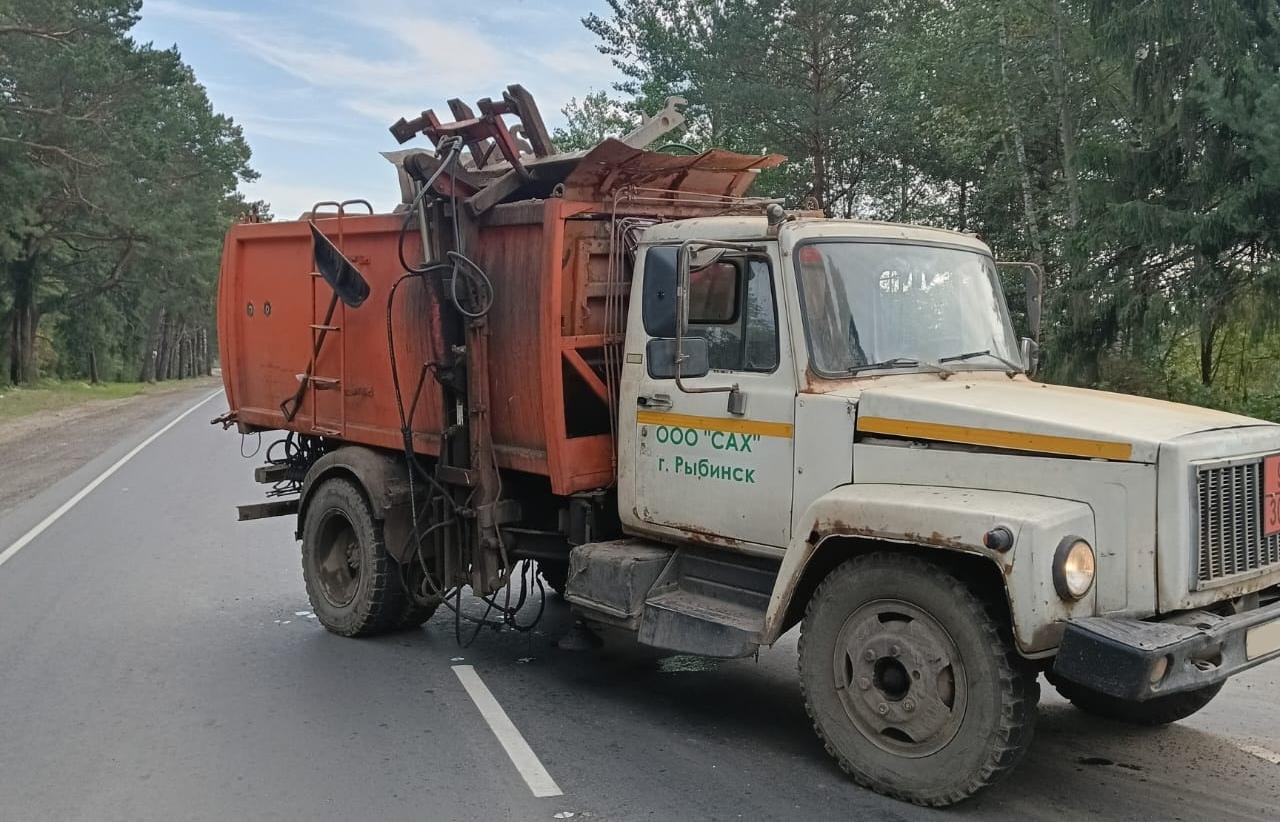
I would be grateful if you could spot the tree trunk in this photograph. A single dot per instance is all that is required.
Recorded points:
(1013, 128)
(175, 361)
(904, 191)
(184, 355)
(181, 370)
(23, 323)
(165, 357)
(93, 367)
(162, 346)
(151, 356)
(817, 91)
(1066, 118)
(1208, 337)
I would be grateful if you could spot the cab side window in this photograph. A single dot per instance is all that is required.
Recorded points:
(731, 304)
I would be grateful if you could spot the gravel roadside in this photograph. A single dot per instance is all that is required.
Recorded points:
(39, 449)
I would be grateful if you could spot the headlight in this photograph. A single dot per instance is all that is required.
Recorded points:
(1073, 568)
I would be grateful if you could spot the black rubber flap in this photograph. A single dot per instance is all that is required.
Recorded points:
(341, 275)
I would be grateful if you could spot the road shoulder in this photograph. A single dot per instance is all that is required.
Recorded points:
(40, 449)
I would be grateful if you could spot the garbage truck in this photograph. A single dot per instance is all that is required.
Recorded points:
(709, 419)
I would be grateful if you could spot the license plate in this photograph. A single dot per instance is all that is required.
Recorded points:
(1262, 640)
(1271, 495)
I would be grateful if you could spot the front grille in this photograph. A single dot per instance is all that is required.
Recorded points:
(1230, 539)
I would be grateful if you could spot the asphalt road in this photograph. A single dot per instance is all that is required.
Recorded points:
(157, 662)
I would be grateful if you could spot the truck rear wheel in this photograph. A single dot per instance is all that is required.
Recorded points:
(354, 586)
(414, 615)
(912, 684)
(416, 610)
(1162, 710)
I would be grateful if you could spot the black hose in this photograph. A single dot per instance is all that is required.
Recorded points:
(480, 300)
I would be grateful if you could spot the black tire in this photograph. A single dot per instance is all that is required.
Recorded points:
(354, 586)
(555, 574)
(415, 612)
(1162, 710)
(933, 666)
(414, 615)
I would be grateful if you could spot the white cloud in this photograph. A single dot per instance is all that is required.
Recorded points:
(576, 62)
(329, 76)
(301, 130)
(289, 200)
(381, 110)
(192, 14)
(417, 56)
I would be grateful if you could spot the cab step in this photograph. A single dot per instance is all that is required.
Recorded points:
(691, 600)
(710, 603)
(698, 624)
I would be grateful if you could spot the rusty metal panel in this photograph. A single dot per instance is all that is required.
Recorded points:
(613, 166)
(586, 277)
(511, 254)
(267, 305)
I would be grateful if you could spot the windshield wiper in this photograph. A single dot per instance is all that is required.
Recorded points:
(986, 352)
(901, 362)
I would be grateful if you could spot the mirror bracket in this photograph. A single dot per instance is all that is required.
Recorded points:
(737, 404)
(1030, 355)
(661, 358)
(683, 254)
(1035, 292)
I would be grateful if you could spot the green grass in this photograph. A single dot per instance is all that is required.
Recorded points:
(50, 395)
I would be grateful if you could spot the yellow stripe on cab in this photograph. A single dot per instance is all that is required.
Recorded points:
(996, 438)
(732, 426)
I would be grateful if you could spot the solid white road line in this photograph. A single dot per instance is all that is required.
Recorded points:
(22, 542)
(1262, 753)
(522, 756)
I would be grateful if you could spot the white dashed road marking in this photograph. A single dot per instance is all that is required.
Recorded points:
(1262, 753)
(522, 756)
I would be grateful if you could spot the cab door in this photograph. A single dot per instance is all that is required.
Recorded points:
(716, 465)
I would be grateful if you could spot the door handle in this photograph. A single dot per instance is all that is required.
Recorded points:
(654, 402)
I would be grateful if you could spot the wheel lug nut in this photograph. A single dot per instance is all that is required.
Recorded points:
(908, 705)
(869, 655)
(882, 708)
(895, 651)
(864, 683)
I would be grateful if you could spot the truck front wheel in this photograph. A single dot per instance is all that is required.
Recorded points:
(354, 586)
(1161, 710)
(911, 682)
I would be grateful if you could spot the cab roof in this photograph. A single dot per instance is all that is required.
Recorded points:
(803, 228)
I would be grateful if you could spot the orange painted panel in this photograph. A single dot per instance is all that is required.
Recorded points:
(269, 300)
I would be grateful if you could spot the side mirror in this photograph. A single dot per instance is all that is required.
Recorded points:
(1033, 283)
(1035, 295)
(661, 281)
(1030, 355)
(660, 354)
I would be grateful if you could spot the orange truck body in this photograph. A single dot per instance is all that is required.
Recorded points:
(554, 288)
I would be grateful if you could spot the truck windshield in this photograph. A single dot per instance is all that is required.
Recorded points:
(889, 305)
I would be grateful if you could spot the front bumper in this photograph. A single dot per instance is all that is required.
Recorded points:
(1123, 657)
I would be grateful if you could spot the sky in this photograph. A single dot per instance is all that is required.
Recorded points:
(316, 83)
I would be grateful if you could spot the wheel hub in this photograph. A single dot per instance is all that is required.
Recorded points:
(338, 560)
(899, 676)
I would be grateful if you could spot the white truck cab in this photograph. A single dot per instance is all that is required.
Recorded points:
(832, 422)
